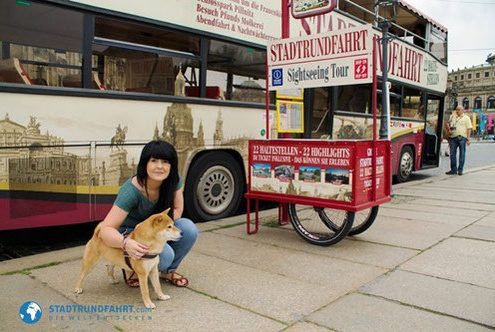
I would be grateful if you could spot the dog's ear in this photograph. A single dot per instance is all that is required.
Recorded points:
(166, 211)
(158, 218)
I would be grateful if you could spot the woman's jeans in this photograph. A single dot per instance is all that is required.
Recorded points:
(174, 251)
(455, 143)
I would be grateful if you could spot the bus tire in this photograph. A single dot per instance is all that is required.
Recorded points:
(214, 187)
(406, 164)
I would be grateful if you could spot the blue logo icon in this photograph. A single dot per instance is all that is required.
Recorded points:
(277, 77)
(30, 312)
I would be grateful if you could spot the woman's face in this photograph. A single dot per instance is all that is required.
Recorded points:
(157, 169)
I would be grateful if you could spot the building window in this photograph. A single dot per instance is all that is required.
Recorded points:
(469, 76)
(477, 75)
(462, 77)
(487, 74)
(455, 78)
(490, 103)
(465, 103)
(477, 103)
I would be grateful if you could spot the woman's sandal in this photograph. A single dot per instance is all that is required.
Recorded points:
(175, 279)
(132, 280)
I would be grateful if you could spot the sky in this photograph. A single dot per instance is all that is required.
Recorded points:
(470, 24)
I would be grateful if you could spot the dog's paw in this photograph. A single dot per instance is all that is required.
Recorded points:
(150, 305)
(78, 290)
(163, 297)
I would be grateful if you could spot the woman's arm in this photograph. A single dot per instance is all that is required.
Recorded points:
(112, 238)
(109, 233)
(178, 203)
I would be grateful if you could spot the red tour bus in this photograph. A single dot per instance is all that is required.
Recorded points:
(81, 101)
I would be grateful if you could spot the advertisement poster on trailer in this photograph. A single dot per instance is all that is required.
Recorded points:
(339, 58)
(315, 170)
(320, 170)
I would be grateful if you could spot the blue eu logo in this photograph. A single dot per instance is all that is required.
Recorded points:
(277, 77)
(30, 312)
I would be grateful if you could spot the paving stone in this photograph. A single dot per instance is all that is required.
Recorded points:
(269, 294)
(307, 327)
(349, 249)
(316, 269)
(447, 194)
(430, 216)
(478, 232)
(436, 209)
(414, 234)
(470, 302)
(465, 260)
(476, 206)
(17, 289)
(357, 312)
(187, 310)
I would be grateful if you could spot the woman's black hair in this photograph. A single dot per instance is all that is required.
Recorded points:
(160, 150)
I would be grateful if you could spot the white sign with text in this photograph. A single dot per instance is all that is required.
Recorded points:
(342, 57)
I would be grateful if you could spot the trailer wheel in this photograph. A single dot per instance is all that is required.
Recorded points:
(308, 224)
(214, 187)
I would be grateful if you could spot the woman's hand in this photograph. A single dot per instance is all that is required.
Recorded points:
(135, 249)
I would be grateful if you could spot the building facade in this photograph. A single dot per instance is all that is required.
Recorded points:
(474, 88)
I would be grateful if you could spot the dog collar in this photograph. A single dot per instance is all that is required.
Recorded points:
(128, 261)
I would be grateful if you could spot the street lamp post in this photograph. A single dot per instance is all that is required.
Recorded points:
(384, 24)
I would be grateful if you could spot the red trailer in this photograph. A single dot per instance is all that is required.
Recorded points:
(320, 184)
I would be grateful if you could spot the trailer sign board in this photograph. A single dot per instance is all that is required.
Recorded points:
(340, 57)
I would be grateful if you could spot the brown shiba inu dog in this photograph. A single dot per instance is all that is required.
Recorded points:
(154, 232)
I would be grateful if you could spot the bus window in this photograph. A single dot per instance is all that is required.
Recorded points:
(237, 71)
(136, 58)
(354, 98)
(395, 94)
(438, 43)
(40, 44)
(320, 116)
(413, 104)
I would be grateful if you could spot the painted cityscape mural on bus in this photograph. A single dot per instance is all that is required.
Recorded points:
(32, 155)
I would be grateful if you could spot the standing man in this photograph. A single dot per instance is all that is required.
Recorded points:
(459, 130)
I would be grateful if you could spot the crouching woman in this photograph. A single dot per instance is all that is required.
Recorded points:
(156, 187)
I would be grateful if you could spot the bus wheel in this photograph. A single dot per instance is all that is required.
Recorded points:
(406, 164)
(214, 187)
(308, 224)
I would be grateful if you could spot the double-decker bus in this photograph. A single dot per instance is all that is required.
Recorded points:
(417, 73)
(84, 84)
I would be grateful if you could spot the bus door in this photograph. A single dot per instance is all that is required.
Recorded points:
(433, 130)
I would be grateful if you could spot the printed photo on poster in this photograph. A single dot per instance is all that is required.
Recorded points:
(284, 173)
(262, 170)
(310, 174)
(337, 176)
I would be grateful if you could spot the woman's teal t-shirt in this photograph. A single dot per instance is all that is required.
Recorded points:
(130, 199)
